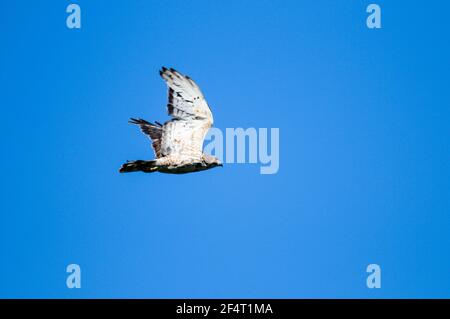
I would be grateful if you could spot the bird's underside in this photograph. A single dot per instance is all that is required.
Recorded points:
(177, 143)
(152, 166)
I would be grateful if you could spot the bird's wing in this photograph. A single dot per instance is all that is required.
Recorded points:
(154, 131)
(192, 117)
(186, 101)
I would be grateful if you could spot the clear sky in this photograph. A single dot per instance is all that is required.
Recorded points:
(364, 150)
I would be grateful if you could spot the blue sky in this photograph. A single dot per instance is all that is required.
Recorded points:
(364, 150)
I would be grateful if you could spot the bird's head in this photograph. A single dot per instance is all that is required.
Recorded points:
(211, 161)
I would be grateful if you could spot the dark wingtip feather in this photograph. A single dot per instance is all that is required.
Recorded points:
(162, 71)
(139, 121)
(133, 121)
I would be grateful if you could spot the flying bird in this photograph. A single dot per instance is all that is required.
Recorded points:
(178, 143)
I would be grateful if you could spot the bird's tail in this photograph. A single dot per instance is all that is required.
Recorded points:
(139, 165)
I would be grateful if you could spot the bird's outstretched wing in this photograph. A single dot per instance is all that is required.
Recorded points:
(183, 135)
(186, 101)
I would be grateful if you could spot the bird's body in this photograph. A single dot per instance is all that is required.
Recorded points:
(178, 143)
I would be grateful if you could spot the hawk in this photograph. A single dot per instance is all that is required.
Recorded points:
(178, 143)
